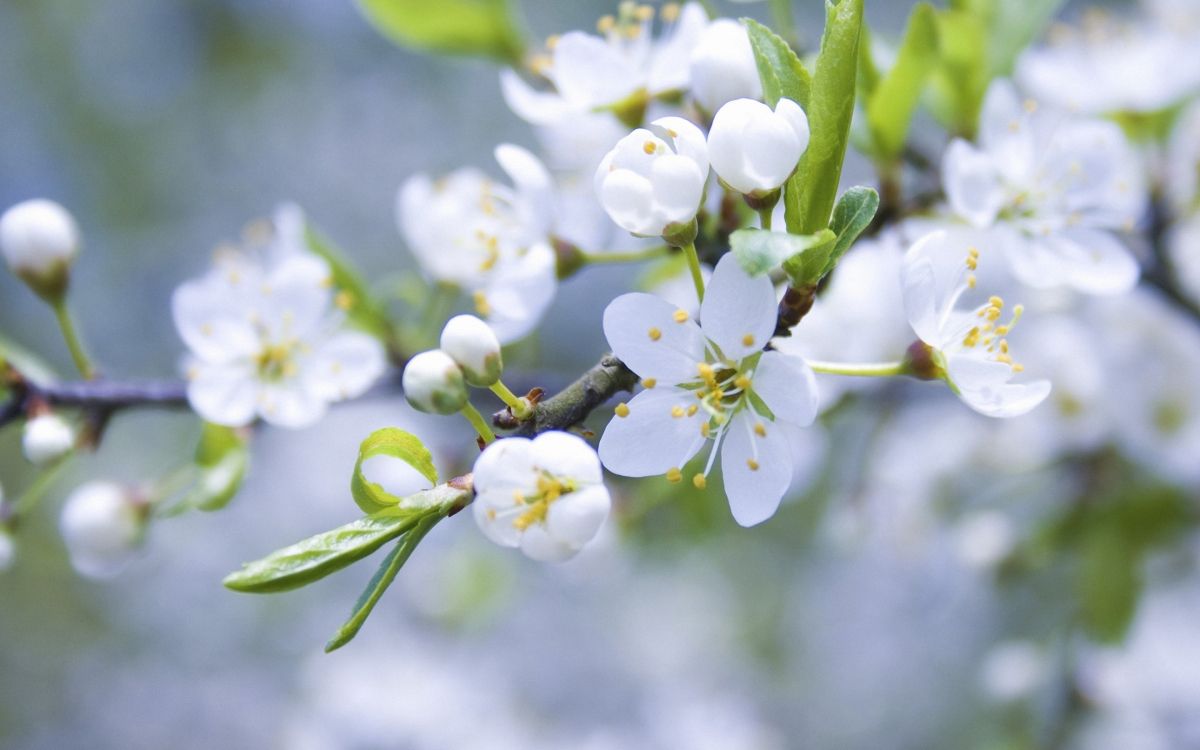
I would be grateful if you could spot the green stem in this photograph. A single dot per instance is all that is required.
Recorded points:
(479, 423)
(783, 19)
(626, 256)
(65, 322)
(433, 317)
(764, 217)
(520, 406)
(689, 251)
(34, 493)
(860, 370)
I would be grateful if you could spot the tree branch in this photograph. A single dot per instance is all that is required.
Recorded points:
(574, 403)
(98, 396)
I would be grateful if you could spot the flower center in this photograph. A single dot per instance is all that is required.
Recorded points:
(277, 361)
(549, 488)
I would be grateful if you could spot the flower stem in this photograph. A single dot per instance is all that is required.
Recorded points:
(860, 370)
(626, 256)
(34, 493)
(764, 218)
(71, 335)
(520, 406)
(689, 251)
(479, 423)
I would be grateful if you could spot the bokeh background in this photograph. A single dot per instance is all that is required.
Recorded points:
(166, 127)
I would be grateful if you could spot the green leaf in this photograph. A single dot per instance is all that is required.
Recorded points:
(1110, 582)
(223, 458)
(760, 250)
(851, 216)
(1012, 25)
(379, 582)
(783, 74)
(894, 99)
(396, 443)
(961, 77)
(812, 190)
(314, 558)
(483, 28)
(361, 308)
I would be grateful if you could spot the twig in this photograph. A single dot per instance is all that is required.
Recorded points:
(97, 396)
(575, 402)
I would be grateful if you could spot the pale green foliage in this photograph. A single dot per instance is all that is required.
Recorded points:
(892, 100)
(483, 28)
(758, 251)
(395, 443)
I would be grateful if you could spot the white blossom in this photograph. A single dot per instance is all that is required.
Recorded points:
(39, 240)
(753, 148)
(722, 66)
(102, 525)
(490, 239)
(652, 182)
(1053, 189)
(545, 495)
(709, 383)
(473, 345)
(8, 550)
(47, 437)
(268, 341)
(433, 383)
(970, 346)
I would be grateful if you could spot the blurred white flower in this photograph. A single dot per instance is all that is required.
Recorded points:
(47, 437)
(1013, 670)
(489, 239)
(1052, 188)
(722, 66)
(102, 525)
(39, 240)
(545, 496)
(1182, 162)
(626, 67)
(269, 342)
(984, 538)
(1183, 249)
(652, 182)
(473, 345)
(679, 289)
(754, 149)
(709, 382)
(433, 383)
(971, 345)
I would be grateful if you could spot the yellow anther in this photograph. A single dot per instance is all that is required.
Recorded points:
(742, 382)
(344, 300)
(674, 475)
(622, 410)
(491, 514)
(748, 339)
(649, 147)
(669, 12)
(206, 329)
(705, 370)
(680, 316)
(327, 282)
(760, 430)
(705, 430)
(539, 64)
(972, 281)
(552, 41)
(654, 334)
(973, 259)
(699, 482)
(482, 306)
(649, 382)
(1030, 106)
(691, 410)
(677, 411)
(606, 24)
(972, 338)
(644, 13)
(752, 464)
(718, 394)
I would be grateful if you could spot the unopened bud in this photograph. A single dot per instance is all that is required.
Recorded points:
(102, 525)
(39, 241)
(473, 345)
(47, 438)
(922, 363)
(433, 383)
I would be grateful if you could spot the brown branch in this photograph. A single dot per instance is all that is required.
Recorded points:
(574, 403)
(97, 396)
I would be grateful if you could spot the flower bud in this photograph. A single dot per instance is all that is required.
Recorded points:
(754, 149)
(433, 383)
(102, 525)
(39, 241)
(46, 438)
(722, 66)
(473, 345)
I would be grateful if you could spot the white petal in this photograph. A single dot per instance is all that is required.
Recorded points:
(650, 440)
(504, 466)
(494, 514)
(568, 456)
(738, 313)
(788, 387)
(212, 321)
(685, 138)
(575, 518)
(290, 404)
(678, 186)
(972, 184)
(345, 365)
(629, 322)
(590, 73)
(519, 292)
(669, 70)
(754, 494)
(296, 295)
(538, 544)
(531, 105)
(1087, 260)
(793, 114)
(629, 200)
(983, 386)
(223, 393)
(534, 187)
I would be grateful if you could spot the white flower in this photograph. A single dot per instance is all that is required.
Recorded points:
(968, 346)
(433, 383)
(754, 149)
(652, 182)
(39, 240)
(722, 66)
(268, 341)
(102, 526)
(473, 345)
(545, 495)
(1182, 162)
(1053, 188)
(46, 438)
(626, 66)
(489, 239)
(709, 383)
(1013, 670)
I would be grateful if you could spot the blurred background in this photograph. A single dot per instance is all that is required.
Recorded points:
(859, 617)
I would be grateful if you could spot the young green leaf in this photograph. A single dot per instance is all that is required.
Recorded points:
(381, 580)
(396, 443)
(783, 74)
(812, 190)
(961, 78)
(484, 28)
(222, 457)
(361, 308)
(893, 101)
(851, 216)
(758, 250)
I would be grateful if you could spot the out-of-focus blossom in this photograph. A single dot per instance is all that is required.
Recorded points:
(47, 437)
(753, 148)
(709, 382)
(545, 496)
(722, 66)
(984, 538)
(39, 240)
(1013, 670)
(473, 345)
(102, 525)
(970, 346)
(433, 383)
(1182, 163)
(1053, 189)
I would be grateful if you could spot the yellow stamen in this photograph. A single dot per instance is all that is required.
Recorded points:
(649, 382)
(748, 340)
(654, 334)
(622, 410)
(674, 475)
(752, 464)
(760, 430)
(699, 482)
(680, 316)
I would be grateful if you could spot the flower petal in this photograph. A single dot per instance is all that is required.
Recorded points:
(494, 513)
(649, 440)
(565, 455)
(519, 291)
(345, 365)
(972, 184)
(1087, 260)
(589, 72)
(212, 321)
(223, 393)
(754, 493)
(538, 544)
(788, 386)
(290, 404)
(642, 331)
(575, 518)
(504, 466)
(678, 186)
(738, 312)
